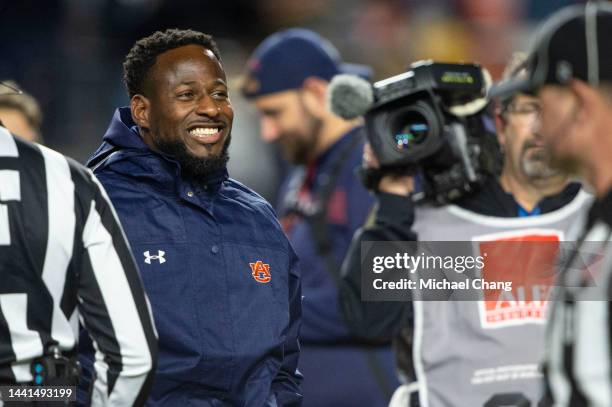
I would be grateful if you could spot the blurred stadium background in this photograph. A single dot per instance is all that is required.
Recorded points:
(68, 53)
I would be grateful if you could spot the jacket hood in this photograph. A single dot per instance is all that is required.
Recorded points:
(121, 134)
(120, 124)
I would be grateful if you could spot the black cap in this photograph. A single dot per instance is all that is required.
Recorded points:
(285, 59)
(575, 42)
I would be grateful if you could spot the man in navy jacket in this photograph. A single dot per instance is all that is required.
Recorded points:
(322, 204)
(220, 274)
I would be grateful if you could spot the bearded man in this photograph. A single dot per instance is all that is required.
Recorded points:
(220, 273)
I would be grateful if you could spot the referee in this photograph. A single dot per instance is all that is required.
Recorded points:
(570, 69)
(64, 258)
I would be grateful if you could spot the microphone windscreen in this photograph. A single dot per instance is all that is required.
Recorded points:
(349, 96)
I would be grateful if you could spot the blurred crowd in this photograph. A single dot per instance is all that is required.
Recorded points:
(68, 53)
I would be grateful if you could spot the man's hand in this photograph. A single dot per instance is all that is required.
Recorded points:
(390, 183)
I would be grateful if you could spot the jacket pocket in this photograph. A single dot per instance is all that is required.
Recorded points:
(258, 279)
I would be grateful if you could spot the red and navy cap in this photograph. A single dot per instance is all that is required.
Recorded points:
(285, 59)
(572, 43)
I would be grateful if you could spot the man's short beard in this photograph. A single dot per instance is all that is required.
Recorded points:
(302, 148)
(303, 141)
(538, 167)
(194, 169)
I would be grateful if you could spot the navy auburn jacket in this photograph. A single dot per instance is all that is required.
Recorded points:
(221, 277)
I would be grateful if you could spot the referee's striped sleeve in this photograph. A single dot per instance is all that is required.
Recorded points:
(114, 308)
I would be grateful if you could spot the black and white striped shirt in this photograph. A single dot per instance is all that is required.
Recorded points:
(64, 258)
(579, 351)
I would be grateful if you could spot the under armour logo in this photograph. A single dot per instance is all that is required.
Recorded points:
(159, 256)
(260, 271)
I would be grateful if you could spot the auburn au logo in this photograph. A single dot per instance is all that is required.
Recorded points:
(260, 271)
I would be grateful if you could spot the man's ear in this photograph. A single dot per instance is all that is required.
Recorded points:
(314, 90)
(587, 99)
(140, 107)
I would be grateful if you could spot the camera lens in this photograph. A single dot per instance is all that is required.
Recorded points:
(406, 132)
(412, 129)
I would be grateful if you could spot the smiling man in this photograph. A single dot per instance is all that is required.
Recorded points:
(221, 276)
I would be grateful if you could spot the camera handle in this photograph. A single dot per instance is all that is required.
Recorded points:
(459, 143)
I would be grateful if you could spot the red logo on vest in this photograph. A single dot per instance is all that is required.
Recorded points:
(526, 259)
(260, 271)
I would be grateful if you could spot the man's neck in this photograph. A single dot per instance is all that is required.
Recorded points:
(528, 193)
(331, 131)
(598, 168)
(599, 176)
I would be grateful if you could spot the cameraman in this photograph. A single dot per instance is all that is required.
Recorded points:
(445, 349)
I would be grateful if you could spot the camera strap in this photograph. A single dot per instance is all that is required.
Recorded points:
(318, 219)
(322, 237)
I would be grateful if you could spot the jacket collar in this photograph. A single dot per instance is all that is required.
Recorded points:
(336, 146)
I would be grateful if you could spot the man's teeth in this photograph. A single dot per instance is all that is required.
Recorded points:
(204, 131)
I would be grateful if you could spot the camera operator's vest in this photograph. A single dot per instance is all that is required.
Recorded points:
(483, 353)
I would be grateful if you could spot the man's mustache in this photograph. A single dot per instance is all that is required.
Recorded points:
(535, 141)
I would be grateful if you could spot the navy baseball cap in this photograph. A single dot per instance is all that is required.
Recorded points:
(573, 43)
(285, 59)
